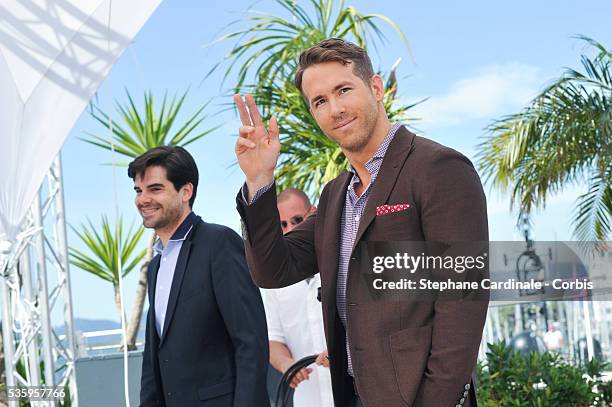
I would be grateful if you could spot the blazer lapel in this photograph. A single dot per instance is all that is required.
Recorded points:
(153, 269)
(177, 280)
(334, 208)
(398, 151)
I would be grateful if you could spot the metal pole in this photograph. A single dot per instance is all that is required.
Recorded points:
(32, 356)
(575, 330)
(496, 326)
(41, 263)
(587, 329)
(7, 330)
(518, 319)
(62, 244)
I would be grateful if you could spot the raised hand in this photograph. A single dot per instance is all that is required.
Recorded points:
(257, 148)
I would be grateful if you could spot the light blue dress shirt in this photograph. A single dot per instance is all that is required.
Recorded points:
(167, 264)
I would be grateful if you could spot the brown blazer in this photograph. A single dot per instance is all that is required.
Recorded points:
(404, 353)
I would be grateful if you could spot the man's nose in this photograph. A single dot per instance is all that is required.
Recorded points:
(337, 108)
(143, 199)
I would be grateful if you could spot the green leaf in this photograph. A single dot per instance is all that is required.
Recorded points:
(109, 250)
(563, 137)
(142, 131)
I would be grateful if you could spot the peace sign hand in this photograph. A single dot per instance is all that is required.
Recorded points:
(257, 149)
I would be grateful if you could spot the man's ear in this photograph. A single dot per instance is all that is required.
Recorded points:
(378, 87)
(312, 210)
(187, 192)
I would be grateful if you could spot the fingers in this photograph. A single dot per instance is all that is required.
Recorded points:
(244, 143)
(254, 112)
(246, 131)
(250, 117)
(242, 111)
(303, 374)
(273, 130)
(322, 359)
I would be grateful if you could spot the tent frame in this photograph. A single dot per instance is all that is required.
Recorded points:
(28, 301)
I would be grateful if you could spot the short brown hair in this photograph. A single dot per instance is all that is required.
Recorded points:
(180, 166)
(335, 50)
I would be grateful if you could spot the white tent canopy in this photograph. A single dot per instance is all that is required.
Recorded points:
(53, 56)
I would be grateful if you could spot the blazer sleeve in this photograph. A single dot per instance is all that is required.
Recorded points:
(275, 260)
(149, 394)
(453, 209)
(241, 308)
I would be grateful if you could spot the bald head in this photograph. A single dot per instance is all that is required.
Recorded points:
(287, 193)
(293, 207)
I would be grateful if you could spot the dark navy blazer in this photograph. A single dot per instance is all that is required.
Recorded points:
(214, 347)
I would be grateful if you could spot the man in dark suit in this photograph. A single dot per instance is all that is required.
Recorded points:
(206, 339)
(400, 187)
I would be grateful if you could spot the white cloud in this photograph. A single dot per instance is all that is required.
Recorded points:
(495, 90)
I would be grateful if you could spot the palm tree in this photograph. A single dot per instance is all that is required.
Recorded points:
(143, 132)
(268, 50)
(133, 135)
(111, 253)
(563, 137)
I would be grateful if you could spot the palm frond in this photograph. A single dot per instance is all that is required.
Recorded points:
(109, 249)
(557, 140)
(592, 213)
(269, 47)
(135, 132)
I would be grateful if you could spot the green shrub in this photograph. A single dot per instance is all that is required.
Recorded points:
(510, 379)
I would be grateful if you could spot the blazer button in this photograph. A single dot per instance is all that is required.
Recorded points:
(169, 393)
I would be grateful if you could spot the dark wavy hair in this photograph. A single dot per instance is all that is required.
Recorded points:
(180, 166)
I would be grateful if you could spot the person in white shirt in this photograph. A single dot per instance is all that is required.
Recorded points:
(553, 338)
(295, 319)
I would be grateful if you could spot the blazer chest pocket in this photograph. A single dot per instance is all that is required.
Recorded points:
(216, 390)
(394, 226)
(409, 351)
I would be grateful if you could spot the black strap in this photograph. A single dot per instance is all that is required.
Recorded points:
(284, 392)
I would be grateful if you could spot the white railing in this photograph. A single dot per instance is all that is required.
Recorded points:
(84, 348)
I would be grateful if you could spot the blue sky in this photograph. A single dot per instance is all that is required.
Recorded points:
(475, 61)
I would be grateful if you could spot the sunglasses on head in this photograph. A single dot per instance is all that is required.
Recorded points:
(296, 220)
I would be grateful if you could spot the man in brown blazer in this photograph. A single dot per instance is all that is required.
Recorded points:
(400, 187)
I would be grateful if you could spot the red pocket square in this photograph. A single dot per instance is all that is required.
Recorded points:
(387, 209)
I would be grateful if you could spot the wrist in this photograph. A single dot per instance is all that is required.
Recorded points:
(256, 184)
(287, 363)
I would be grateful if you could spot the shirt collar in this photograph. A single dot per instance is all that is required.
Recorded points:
(382, 149)
(180, 234)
